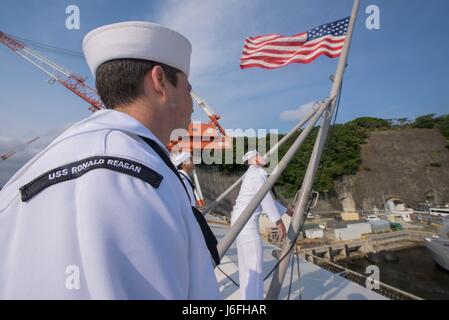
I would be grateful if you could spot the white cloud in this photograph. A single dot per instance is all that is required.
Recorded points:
(214, 29)
(296, 114)
(24, 152)
(217, 30)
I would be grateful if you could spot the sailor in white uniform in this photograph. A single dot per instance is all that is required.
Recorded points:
(183, 162)
(99, 213)
(249, 243)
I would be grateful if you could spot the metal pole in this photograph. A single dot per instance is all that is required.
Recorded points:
(224, 244)
(210, 113)
(310, 113)
(300, 124)
(303, 199)
(198, 188)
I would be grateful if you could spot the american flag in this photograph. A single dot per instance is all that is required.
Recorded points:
(274, 51)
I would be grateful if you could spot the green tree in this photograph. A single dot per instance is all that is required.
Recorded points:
(372, 123)
(426, 121)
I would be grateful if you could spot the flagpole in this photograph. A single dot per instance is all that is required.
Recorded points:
(301, 204)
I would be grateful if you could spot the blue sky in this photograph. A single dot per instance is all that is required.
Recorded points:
(398, 71)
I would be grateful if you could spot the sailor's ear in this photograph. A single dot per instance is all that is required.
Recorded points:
(157, 79)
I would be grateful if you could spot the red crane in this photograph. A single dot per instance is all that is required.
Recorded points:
(57, 73)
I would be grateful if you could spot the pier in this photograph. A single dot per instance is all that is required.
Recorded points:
(342, 250)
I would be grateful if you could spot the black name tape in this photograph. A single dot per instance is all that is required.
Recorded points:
(77, 169)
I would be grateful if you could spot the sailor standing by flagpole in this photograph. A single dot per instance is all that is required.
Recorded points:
(183, 162)
(101, 213)
(249, 243)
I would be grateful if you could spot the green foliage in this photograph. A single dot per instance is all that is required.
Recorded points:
(443, 124)
(426, 121)
(429, 121)
(372, 123)
(341, 157)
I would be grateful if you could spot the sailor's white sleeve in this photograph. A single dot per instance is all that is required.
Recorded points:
(132, 243)
(281, 208)
(269, 204)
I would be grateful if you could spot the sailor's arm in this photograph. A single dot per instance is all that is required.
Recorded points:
(273, 208)
(270, 206)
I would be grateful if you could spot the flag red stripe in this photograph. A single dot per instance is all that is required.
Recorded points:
(329, 38)
(254, 65)
(302, 52)
(272, 37)
(299, 57)
(290, 50)
(302, 39)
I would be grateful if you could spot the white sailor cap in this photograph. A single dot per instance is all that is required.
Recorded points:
(249, 155)
(137, 40)
(179, 158)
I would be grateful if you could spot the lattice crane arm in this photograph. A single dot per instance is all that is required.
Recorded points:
(56, 72)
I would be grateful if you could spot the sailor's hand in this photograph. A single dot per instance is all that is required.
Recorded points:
(281, 229)
(290, 211)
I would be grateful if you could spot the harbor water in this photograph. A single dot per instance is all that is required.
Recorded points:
(413, 271)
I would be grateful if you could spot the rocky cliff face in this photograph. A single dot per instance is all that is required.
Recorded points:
(411, 164)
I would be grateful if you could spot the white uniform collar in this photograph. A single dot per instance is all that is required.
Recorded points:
(257, 168)
(185, 173)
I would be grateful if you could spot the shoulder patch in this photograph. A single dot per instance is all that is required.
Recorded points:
(77, 169)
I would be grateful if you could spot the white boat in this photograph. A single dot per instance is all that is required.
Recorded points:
(438, 246)
(439, 249)
(439, 211)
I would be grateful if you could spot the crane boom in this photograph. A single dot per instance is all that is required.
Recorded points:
(56, 72)
(210, 113)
